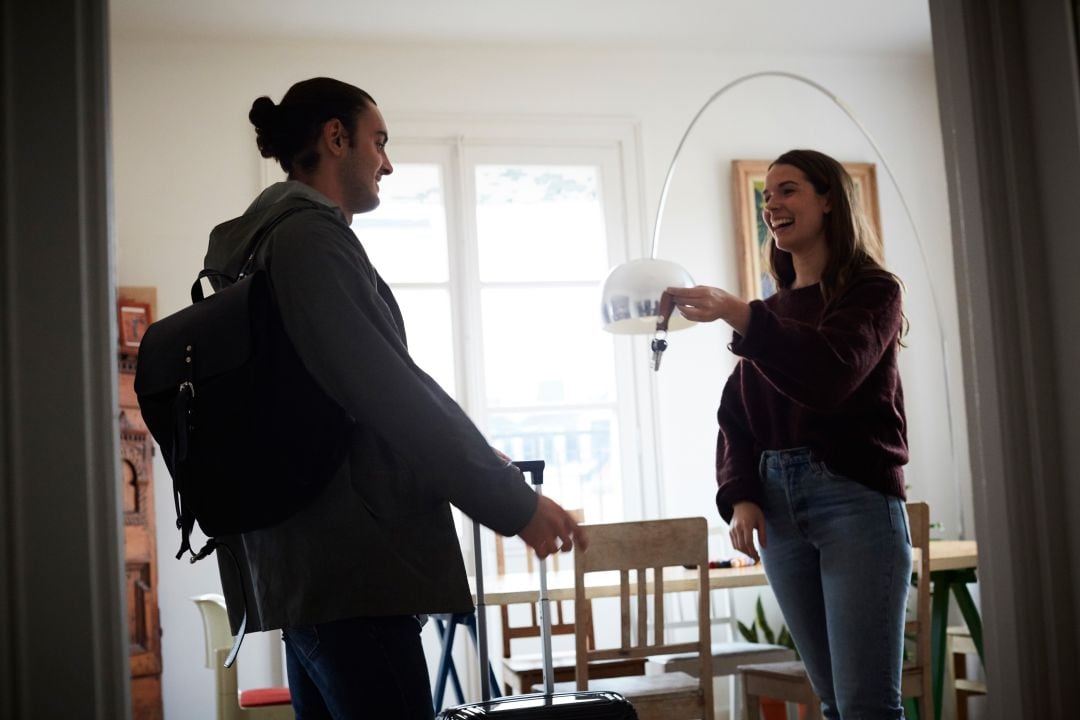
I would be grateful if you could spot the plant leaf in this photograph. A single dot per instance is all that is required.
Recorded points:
(785, 639)
(748, 633)
(763, 623)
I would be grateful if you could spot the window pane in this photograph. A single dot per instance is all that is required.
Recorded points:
(540, 222)
(405, 236)
(544, 346)
(581, 452)
(429, 332)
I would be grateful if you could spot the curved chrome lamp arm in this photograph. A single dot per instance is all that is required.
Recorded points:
(907, 211)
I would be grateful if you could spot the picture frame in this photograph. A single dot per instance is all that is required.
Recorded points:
(133, 318)
(751, 233)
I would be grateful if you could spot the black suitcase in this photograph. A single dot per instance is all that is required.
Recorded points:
(548, 705)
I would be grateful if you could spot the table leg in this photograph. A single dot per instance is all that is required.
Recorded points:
(939, 615)
(446, 625)
(447, 629)
(971, 616)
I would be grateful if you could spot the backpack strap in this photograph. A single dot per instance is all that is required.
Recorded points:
(197, 294)
(183, 415)
(183, 412)
(242, 630)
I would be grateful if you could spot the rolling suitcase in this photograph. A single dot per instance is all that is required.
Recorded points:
(548, 705)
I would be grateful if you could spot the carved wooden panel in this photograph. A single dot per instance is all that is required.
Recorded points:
(138, 586)
(140, 553)
(136, 455)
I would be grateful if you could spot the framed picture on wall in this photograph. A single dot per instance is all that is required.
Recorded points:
(751, 233)
(134, 318)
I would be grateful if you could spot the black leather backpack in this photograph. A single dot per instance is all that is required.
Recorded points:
(248, 435)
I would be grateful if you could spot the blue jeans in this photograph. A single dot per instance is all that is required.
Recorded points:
(358, 668)
(838, 557)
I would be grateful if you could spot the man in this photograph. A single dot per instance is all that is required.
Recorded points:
(347, 575)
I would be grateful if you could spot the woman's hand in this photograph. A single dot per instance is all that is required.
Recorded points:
(705, 304)
(746, 519)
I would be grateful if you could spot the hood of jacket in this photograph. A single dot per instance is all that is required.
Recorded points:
(233, 242)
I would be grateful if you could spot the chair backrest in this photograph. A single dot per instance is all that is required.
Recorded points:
(681, 611)
(919, 526)
(215, 619)
(561, 622)
(642, 550)
(218, 638)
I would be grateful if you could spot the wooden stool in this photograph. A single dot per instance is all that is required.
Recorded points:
(958, 646)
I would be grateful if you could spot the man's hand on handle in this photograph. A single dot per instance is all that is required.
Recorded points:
(552, 529)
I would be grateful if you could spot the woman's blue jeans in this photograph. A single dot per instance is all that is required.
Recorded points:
(838, 557)
(358, 668)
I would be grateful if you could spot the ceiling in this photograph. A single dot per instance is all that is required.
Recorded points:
(799, 26)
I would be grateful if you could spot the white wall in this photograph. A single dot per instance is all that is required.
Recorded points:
(185, 160)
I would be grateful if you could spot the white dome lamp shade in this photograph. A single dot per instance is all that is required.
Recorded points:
(631, 297)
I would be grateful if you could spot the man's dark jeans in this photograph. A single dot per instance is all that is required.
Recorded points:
(358, 668)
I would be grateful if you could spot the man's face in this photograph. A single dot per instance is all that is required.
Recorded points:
(366, 161)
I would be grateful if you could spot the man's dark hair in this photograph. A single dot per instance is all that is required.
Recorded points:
(288, 132)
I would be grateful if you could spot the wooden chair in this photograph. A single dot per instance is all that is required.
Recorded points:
(789, 682)
(521, 672)
(958, 646)
(272, 703)
(645, 549)
(727, 654)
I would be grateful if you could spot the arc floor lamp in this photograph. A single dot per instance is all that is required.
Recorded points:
(631, 297)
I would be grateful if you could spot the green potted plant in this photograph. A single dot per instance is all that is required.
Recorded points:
(760, 630)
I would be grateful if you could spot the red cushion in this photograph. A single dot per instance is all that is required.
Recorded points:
(265, 696)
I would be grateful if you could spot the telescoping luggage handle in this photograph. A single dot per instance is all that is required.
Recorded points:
(535, 469)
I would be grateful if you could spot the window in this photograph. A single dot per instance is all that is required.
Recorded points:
(496, 254)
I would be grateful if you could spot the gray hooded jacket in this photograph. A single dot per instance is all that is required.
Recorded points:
(380, 539)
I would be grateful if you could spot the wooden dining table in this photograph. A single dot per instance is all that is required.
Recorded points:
(522, 587)
(952, 568)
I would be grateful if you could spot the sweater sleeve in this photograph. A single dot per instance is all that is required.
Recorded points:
(736, 457)
(820, 365)
(346, 336)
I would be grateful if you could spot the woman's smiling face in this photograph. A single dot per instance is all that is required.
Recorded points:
(794, 211)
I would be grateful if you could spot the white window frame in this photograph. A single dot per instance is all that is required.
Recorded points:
(458, 144)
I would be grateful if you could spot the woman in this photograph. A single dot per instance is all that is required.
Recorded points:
(813, 436)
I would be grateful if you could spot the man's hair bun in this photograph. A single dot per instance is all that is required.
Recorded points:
(266, 117)
(289, 131)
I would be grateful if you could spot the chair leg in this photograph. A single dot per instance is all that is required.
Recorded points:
(962, 705)
(959, 667)
(813, 712)
(751, 705)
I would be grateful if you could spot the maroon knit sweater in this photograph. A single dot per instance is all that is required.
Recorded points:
(823, 380)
